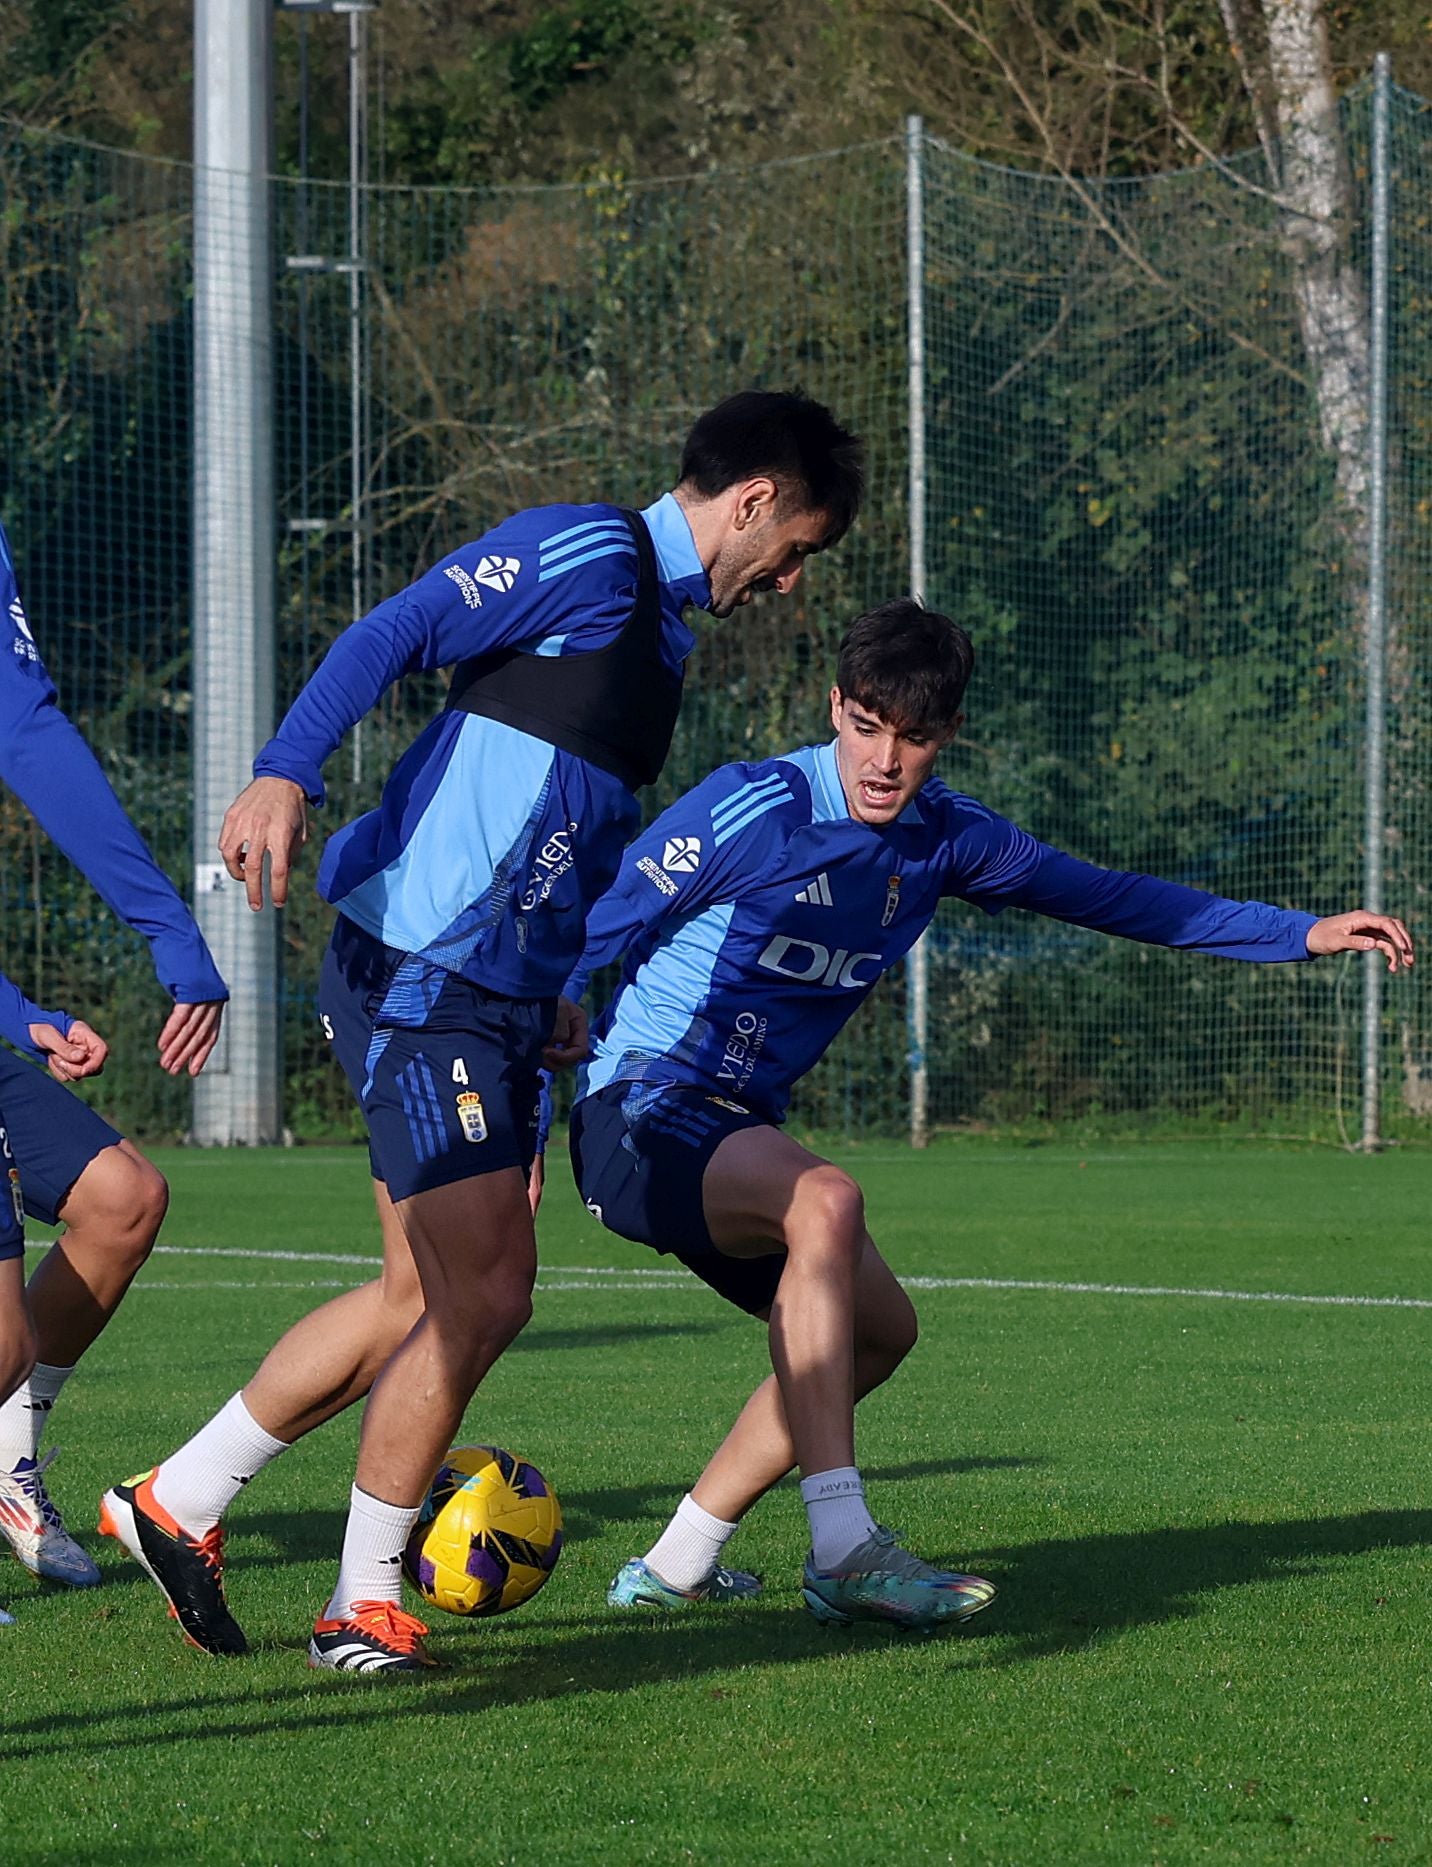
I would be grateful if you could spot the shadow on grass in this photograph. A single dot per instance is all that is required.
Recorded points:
(602, 1335)
(312, 1535)
(1058, 1596)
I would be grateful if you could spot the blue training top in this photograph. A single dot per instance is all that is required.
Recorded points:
(489, 845)
(756, 914)
(47, 764)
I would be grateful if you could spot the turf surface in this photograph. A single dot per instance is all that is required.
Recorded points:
(1208, 1519)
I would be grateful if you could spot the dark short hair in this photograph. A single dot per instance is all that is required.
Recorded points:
(798, 442)
(908, 664)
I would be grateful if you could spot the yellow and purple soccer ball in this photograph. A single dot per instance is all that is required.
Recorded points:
(488, 1535)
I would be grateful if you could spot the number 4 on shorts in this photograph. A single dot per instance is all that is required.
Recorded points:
(459, 1071)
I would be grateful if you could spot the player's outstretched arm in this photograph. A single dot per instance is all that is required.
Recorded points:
(1362, 932)
(45, 761)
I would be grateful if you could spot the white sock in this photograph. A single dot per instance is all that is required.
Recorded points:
(23, 1416)
(197, 1484)
(839, 1521)
(371, 1567)
(686, 1553)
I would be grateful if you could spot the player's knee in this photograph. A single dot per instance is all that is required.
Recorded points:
(898, 1332)
(484, 1319)
(140, 1200)
(829, 1210)
(123, 1198)
(402, 1293)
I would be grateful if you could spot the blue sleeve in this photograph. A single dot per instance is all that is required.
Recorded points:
(18, 1013)
(701, 850)
(44, 760)
(998, 865)
(487, 595)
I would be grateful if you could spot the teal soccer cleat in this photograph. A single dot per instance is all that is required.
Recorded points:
(636, 1586)
(880, 1581)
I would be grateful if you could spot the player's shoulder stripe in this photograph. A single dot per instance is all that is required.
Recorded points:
(598, 548)
(589, 535)
(742, 807)
(556, 539)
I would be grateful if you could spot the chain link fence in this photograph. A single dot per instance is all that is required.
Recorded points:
(1128, 503)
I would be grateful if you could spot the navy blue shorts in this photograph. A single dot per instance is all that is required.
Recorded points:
(640, 1155)
(447, 1075)
(50, 1134)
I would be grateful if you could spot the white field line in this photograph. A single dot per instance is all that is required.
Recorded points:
(629, 1278)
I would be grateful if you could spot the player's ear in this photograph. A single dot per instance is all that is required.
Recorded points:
(837, 701)
(755, 500)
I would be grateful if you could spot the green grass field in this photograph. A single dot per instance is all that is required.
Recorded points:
(1209, 1519)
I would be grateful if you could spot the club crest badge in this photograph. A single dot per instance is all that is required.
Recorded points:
(892, 901)
(469, 1113)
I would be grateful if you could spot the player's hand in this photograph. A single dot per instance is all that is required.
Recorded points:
(267, 818)
(70, 1059)
(1361, 932)
(568, 1043)
(189, 1036)
(534, 1184)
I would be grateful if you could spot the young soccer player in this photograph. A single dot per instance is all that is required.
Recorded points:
(462, 903)
(754, 916)
(76, 1169)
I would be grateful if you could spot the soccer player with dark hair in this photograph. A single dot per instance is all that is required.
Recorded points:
(461, 908)
(74, 1168)
(753, 917)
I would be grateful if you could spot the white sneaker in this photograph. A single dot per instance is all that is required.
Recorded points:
(6, 1620)
(36, 1531)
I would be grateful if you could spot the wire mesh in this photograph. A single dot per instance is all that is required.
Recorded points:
(1130, 506)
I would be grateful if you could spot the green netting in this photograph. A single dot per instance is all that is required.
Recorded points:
(1129, 504)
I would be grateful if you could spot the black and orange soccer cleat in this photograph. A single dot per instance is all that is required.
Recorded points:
(373, 1637)
(187, 1570)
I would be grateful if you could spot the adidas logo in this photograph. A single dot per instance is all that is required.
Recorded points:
(818, 894)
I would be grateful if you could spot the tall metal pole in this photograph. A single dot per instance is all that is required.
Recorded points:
(1375, 801)
(357, 361)
(918, 989)
(237, 1097)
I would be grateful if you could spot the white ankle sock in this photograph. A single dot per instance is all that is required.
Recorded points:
(197, 1484)
(371, 1568)
(839, 1520)
(23, 1416)
(689, 1548)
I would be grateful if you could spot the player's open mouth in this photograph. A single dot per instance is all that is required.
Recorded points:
(878, 795)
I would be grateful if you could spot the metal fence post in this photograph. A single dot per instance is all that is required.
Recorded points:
(237, 1097)
(1374, 832)
(918, 981)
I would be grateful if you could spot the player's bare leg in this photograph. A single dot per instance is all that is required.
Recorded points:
(111, 1216)
(763, 1192)
(17, 1335)
(17, 1342)
(476, 1256)
(759, 1450)
(170, 1519)
(333, 1356)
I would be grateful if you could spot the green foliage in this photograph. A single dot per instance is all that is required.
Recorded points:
(569, 45)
